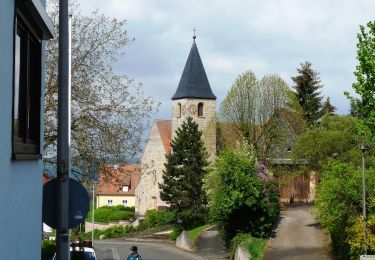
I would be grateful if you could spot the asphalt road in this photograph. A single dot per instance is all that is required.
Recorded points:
(298, 236)
(113, 249)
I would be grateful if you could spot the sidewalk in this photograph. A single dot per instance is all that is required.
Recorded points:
(211, 246)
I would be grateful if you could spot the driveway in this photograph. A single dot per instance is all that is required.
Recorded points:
(298, 236)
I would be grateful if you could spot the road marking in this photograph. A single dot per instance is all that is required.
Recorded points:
(115, 254)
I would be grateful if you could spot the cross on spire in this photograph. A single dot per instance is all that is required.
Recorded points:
(194, 37)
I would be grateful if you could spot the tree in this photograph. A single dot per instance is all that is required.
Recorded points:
(365, 74)
(307, 83)
(328, 108)
(241, 200)
(183, 175)
(250, 107)
(334, 137)
(109, 111)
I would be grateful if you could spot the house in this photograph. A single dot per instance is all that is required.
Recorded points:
(24, 27)
(117, 184)
(193, 98)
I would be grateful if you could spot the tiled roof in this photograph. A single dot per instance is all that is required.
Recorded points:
(165, 131)
(194, 82)
(113, 177)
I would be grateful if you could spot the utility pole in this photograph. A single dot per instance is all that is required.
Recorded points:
(364, 201)
(63, 140)
(93, 212)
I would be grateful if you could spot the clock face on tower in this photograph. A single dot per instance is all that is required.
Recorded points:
(192, 110)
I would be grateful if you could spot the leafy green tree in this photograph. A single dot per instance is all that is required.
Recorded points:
(307, 84)
(183, 176)
(365, 74)
(334, 137)
(240, 200)
(339, 207)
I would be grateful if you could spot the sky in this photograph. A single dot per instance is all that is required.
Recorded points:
(267, 37)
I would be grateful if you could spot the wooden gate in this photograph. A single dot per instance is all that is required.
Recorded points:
(294, 188)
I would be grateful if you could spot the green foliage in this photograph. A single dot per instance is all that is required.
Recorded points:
(239, 200)
(339, 205)
(334, 137)
(365, 75)
(48, 249)
(154, 218)
(112, 232)
(183, 176)
(195, 233)
(112, 213)
(255, 246)
(307, 84)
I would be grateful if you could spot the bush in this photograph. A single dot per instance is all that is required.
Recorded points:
(241, 201)
(48, 249)
(154, 218)
(339, 207)
(254, 246)
(106, 214)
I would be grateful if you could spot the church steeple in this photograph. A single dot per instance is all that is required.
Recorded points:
(194, 82)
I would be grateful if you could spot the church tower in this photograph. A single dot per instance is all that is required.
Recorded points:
(195, 98)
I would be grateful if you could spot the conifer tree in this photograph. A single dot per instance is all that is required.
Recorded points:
(183, 176)
(328, 108)
(307, 84)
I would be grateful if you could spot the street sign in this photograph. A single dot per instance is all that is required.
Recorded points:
(78, 203)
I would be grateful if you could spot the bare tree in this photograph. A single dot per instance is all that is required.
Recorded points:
(109, 111)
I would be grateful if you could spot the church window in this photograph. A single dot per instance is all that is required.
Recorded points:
(178, 110)
(200, 109)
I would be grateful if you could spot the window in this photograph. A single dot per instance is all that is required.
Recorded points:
(125, 188)
(109, 202)
(125, 203)
(178, 110)
(200, 109)
(26, 87)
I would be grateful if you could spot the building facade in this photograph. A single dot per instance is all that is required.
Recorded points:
(193, 98)
(24, 27)
(117, 184)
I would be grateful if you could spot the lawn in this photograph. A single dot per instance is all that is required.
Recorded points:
(194, 233)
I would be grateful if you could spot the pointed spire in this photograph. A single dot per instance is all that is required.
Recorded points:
(194, 82)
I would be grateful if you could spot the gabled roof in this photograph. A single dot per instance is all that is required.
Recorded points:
(194, 82)
(165, 131)
(113, 177)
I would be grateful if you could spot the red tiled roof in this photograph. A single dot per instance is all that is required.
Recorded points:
(165, 130)
(113, 177)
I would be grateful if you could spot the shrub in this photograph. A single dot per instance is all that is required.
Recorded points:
(48, 249)
(239, 200)
(106, 214)
(254, 246)
(154, 218)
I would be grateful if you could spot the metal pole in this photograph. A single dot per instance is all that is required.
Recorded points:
(364, 201)
(63, 142)
(93, 212)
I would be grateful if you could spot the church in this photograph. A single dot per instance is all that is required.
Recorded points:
(193, 98)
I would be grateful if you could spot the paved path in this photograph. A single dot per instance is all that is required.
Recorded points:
(211, 246)
(117, 249)
(298, 236)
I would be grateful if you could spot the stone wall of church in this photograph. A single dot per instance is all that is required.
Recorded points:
(183, 108)
(147, 192)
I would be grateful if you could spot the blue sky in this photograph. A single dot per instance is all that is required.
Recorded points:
(267, 37)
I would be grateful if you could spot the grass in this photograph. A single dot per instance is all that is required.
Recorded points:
(256, 247)
(194, 233)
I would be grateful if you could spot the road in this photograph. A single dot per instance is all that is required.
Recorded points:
(117, 249)
(298, 236)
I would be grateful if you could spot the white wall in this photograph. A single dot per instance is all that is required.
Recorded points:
(20, 181)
